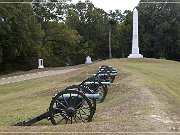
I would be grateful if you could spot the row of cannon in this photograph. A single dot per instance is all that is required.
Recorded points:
(77, 103)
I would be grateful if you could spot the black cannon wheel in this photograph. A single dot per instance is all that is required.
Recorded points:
(74, 109)
(103, 77)
(112, 78)
(102, 90)
(84, 90)
(97, 88)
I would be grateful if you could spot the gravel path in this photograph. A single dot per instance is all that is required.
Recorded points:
(29, 76)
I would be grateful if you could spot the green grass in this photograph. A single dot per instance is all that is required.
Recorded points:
(161, 75)
(143, 87)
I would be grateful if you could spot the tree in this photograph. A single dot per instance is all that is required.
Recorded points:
(61, 43)
(92, 25)
(20, 37)
(124, 35)
(160, 22)
(115, 19)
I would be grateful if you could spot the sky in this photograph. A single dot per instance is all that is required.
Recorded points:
(114, 4)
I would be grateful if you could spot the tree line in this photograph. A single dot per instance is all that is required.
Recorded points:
(64, 34)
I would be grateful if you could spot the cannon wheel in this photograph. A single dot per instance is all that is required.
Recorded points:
(102, 90)
(112, 79)
(84, 90)
(70, 110)
(97, 88)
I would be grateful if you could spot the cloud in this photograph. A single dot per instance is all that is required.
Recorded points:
(114, 4)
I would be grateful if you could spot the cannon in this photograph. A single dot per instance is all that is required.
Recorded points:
(67, 107)
(77, 103)
(107, 73)
(96, 85)
(100, 81)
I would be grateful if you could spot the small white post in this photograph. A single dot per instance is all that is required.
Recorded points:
(88, 60)
(40, 61)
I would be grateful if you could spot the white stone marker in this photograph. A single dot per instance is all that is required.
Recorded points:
(40, 61)
(88, 60)
(135, 40)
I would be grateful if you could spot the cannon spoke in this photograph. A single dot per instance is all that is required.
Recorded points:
(84, 113)
(101, 92)
(75, 100)
(81, 118)
(75, 118)
(61, 103)
(84, 108)
(71, 119)
(79, 104)
(58, 118)
(58, 110)
(67, 120)
(65, 100)
(61, 120)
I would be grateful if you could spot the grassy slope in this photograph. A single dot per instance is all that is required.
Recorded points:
(144, 97)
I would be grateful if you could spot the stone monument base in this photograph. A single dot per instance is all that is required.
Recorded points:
(40, 66)
(135, 56)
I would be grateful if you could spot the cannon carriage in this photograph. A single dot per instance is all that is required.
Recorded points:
(76, 103)
(107, 72)
(100, 81)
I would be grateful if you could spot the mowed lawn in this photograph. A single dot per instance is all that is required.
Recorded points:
(145, 97)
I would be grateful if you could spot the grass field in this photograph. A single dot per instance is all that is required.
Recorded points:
(145, 97)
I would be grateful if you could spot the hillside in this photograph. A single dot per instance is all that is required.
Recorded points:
(143, 98)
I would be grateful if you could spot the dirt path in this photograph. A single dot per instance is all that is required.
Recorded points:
(161, 116)
(142, 109)
(18, 78)
(153, 111)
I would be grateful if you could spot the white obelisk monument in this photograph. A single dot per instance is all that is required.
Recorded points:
(135, 40)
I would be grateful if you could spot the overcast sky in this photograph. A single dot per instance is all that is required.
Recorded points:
(114, 4)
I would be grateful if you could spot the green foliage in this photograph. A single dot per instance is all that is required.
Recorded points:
(1, 54)
(20, 37)
(60, 42)
(122, 35)
(46, 12)
(92, 25)
(160, 28)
